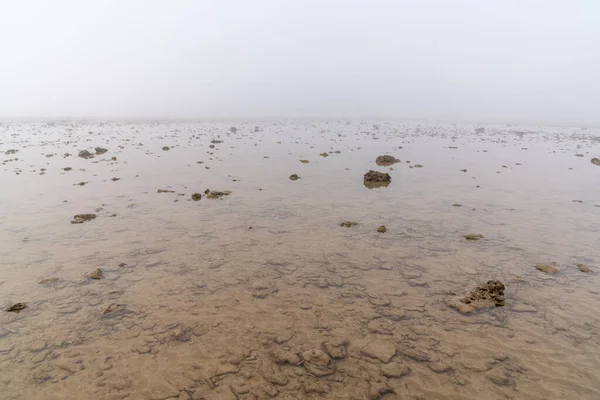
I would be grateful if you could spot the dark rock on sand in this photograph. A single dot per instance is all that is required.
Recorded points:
(81, 218)
(596, 161)
(348, 224)
(324, 155)
(214, 194)
(375, 179)
(583, 268)
(551, 268)
(386, 160)
(294, 177)
(472, 236)
(115, 179)
(67, 169)
(456, 205)
(382, 229)
(233, 129)
(318, 363)
(165, 191)
(166, 148)
(85, 154)
(376, 176)
(95, 274)
(304, 161)
(490, 294)
(196, 196)
(18, 307)
(100, 150)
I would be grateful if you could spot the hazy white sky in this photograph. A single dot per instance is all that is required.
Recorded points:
(490, 61)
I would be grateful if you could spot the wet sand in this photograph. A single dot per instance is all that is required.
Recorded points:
(262, 294)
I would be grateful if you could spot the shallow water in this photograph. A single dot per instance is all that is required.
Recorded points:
(205, 296)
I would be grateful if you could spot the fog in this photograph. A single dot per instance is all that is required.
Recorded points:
(510, 61)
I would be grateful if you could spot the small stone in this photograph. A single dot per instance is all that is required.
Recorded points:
(583, 268)
(596, 161)
(472, 236)
(488, 295)
(294, 177)
(196, 196)
(304, 161)
(386, 160)
(17, 307)
(348, 224)
(95, 274)
(81, 218)
(115, 179)
(548, 268)
(85, 154)
(166, 148)
(324, 155)
(456, 205)
(382, 229)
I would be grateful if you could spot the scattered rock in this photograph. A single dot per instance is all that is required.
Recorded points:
(100, 150)
(318, 363)
(472, 236)
(375, 179)
(551, 268)
(165, 191)
(67, 169)
(583, 268)
(81, 218)
(324, 155)
(166, 148)
(382, 350)
(294, 177)
(214, 194)
(376, 176)
(579, 155)
(386, 160)
(85, 154)
(233, 129)
(348, 224)
(18, 307)
(490, 294)
(196, 196)
(115, 179)
(596, 161)
(456, 205)
(463, 170)
(95, 274)
(304, 161)
(418, 166)
(382, 229)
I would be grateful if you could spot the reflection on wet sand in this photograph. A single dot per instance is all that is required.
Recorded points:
(268, 287)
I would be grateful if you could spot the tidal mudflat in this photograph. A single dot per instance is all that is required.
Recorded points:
(298, 260)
